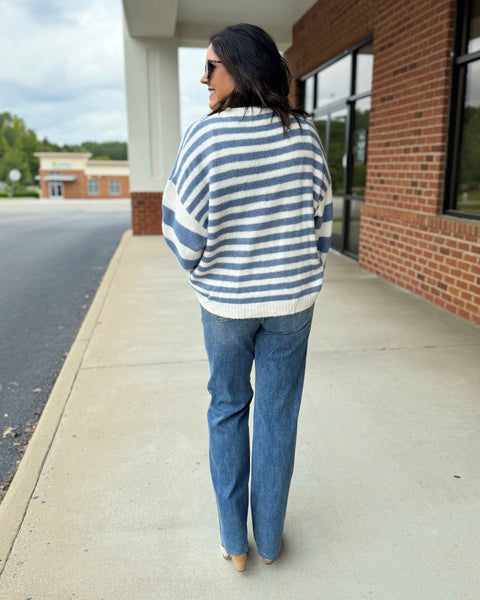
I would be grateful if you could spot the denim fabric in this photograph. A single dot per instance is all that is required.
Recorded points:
(279, 347)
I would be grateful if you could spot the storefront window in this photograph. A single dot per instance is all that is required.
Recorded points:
(340, 95)
(468, 192)
(332, 129)
(93, 186)
(474, 33)
(363, 82)
(321, 125)
(309, 94)
(114, 187)
(463, 190)
(333, 82)
(359, 154)
(336, 149)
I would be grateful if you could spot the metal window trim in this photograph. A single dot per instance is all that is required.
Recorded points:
(462, 214)
(467, 58)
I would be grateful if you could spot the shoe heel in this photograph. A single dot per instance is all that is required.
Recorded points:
(239, 560)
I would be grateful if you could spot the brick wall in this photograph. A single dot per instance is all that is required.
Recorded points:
(43, 184)
(435, 257)
(104, 187)
(79, 188)
(403, 235)
(410, 105)
(146, 213)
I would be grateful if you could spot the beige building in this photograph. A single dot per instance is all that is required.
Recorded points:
(72, 175)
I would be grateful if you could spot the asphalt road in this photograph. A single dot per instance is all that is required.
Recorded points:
(52, 259)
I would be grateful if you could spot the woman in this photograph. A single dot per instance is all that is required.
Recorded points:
(248, 211)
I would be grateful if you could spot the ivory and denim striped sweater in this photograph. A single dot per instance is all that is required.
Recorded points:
(248, 211)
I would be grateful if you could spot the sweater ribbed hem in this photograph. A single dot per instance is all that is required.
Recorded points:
(257, 310)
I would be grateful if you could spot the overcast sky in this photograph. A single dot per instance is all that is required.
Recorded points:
(62, 69)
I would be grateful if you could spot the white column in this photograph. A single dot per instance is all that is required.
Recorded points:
(153, 111)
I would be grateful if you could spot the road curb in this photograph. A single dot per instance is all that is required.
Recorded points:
(15, 503)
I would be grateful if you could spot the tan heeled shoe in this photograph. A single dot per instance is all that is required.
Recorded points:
(239, 560)
(267, 561)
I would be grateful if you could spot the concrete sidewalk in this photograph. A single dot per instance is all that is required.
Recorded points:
(113, 498)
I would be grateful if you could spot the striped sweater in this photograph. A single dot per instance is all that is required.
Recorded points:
(248, 211)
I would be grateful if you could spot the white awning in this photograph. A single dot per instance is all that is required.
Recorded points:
(59, 177)
(193, 22)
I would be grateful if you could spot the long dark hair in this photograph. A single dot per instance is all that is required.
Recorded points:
(261, 74)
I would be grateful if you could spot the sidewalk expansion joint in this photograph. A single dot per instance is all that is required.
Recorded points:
(145, 364)
(395, 348)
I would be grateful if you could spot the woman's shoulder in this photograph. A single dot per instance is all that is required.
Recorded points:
(197, 133)
(302, 120)
(196, 126)
(206, 126)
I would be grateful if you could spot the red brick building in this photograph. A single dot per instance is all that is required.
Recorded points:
(394, 88)
(72, 175)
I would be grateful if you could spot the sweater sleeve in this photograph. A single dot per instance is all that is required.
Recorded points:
(324, 223)
(183, 201)
(323, 198)
(183, 234)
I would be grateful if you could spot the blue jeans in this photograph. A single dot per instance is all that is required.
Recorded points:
(279, 347)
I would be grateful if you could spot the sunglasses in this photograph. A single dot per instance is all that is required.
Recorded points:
(210, 68)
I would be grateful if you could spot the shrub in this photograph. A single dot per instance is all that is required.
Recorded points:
(24, 193)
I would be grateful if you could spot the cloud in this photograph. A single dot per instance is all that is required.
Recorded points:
(193, 94)
(62, 68)
(47, 11)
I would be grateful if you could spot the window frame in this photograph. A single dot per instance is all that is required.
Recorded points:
(110, 187)
(90, 192)
(460, 61)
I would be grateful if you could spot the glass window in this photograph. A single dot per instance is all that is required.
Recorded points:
(363, 81)
(359, 148)
(114, 187)
(468, 189)
(474, 33)
(310, 94)
(332, 131)
(333, 82)
(338, 128)
(463, 196)
(341, 116)
(353, 237)
(93, 186)
(322, 124)
(338, 234)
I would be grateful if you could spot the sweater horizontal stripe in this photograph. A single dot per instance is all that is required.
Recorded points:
(248, 211)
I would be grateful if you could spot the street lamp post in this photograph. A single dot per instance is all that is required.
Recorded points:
(14, 176)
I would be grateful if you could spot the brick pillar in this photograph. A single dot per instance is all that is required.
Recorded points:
(147, 213)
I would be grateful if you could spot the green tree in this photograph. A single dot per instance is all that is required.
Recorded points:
(15, 158)
(111, 150)
(18, 145)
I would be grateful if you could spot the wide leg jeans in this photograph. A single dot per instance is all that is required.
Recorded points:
(278, 345)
